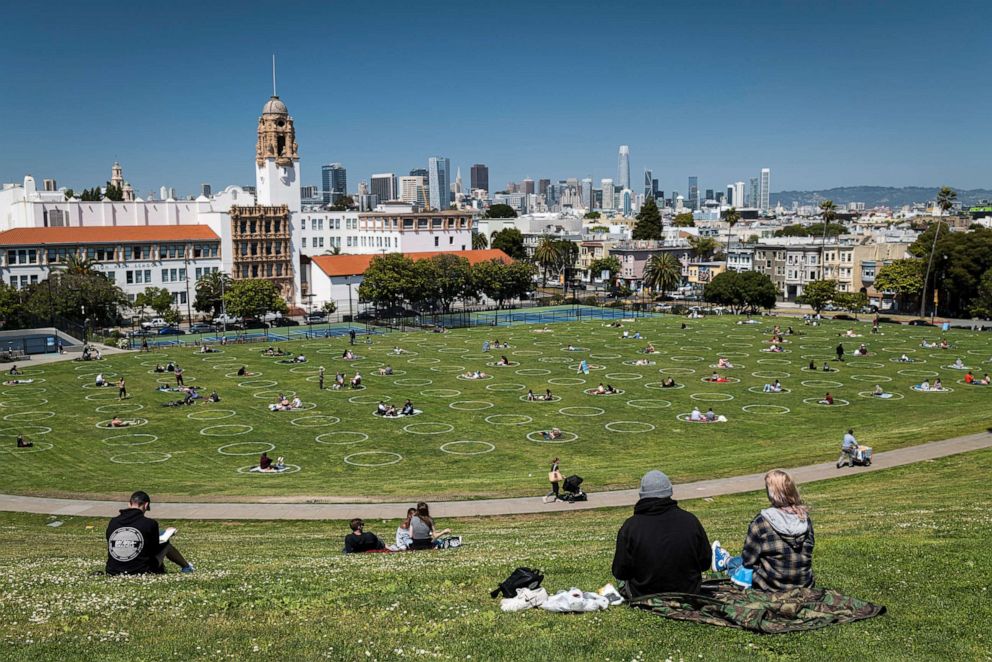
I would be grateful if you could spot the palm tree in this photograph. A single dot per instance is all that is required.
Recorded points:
(663, 272)
(210, 290)
(479, 241)
(732, 217)
(945, 200)
(703, 246)
(334, 250)
(79, 265)
(547, 256)
(828, 212)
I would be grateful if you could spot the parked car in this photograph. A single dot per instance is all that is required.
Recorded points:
(155, 323)
(920, 323)
(171, 331)
(229, 320)
(254, 324)
(315, 318)
(201, 327)
(139, 333)
(285, 321)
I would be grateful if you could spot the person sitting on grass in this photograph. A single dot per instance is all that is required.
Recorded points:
(348, 355)
(553, 433)
(695, 415)
(827, 368)
(774, 387)
(827, 399)
(530, 395)
(134, 544)
(244, 372)
(944, 344)
(959, 364)
(385, 371)
(937, 385)
(381, 408)
(716, 377)
(397, 351)
(359, 540)
(213, 397)
(159, 367)
(571, 348)
(862, 350)
(778, 549)
(356, 380)
(100, 381)
(724, 363)
(548, 396)
(22, 442)
(668, 382)
(407, 409)
(650, 349)
(642, 362)
(282, 404)
(905, 359)
(14, 371)
(661, 548)
(600, 390)
(422, 529)
(969, 378)
(927, 345)
(986, 380)
(878, 392)
(404, 538)
(338, 381)
(710, 415)
(296, 403)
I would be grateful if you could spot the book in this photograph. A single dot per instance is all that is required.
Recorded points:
(165, 536)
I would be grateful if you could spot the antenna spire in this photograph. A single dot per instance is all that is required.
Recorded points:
(274, 74)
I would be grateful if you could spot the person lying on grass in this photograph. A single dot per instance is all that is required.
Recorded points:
(133, 542)
(778, 548)
(359, 540)
(474, 374)
(774, 387)
(724, 363)
(553, 433)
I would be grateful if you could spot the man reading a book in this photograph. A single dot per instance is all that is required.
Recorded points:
(135, 546)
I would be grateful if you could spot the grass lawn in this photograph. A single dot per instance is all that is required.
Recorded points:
(914, 538)
(481, 438)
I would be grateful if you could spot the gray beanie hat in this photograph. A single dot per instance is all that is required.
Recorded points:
(655, 485)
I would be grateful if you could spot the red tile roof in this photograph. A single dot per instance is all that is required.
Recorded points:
(106, 234)
(354, 265)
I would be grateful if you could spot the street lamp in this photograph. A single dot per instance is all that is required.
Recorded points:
(309, 298)
(189, 311)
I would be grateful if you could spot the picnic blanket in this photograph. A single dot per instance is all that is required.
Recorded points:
(722, 603)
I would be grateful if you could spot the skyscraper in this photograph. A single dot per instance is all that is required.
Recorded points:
(479, 176)
(623, 167)
(693, 200)
(585, 193)
(412, 190)
(609, 194)
(764, 192)
(752, 196)
(439, 182)
(334, 182)
(419, 172)
(649, 186)
(527, 186)
(738, 199)
(384, 186)
(709, 195)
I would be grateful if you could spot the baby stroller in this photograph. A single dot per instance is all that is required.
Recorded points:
(572, 491)
(862, 456)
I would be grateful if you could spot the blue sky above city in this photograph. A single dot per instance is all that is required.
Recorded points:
(825, 94)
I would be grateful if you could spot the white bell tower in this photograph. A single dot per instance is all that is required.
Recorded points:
(277, 163)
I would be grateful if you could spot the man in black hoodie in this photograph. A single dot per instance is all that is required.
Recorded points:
(662, 548)
(133, 546)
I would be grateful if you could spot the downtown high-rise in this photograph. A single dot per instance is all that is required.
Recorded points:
(334, 182)
(479, 178)
(693, 200)
(623, 167)
(765, 189)
(383, 186)
(439, 182)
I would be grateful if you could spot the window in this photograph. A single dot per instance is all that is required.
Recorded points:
(303, 242)
(436, 239)
(303, 225)
(321, 240)
(451, 240)
(182, 297)
(22, 256)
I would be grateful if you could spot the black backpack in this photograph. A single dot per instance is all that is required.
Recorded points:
(519, 578)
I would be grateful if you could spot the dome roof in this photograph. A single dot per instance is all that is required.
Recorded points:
(274, 105)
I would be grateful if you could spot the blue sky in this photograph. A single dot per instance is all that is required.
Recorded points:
(824, 93)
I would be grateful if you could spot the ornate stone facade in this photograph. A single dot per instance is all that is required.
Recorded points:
(261, 245)
(276, 135)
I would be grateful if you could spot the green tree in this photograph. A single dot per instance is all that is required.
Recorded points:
(504, 282)
(501, 211)
(648, 225)
(547, 257)
(11, 308)
(253, 298)
(598, 228)
(330, 307)
(662, 273)
(703, 247)
(446, 278)
(158, 299)
(114, 193)
(479, 241)
(210, 289)
(344, 203)
(904, 278)
(69, 194)
(744, 292)
(568, 253)
(684, 220)
(592, 215)
(79, 265)
(814, 230)
(74, 297)
(818, 293)
(511, 242)
(981, 305)
(387, 280)
(609, 263)
(851, 301)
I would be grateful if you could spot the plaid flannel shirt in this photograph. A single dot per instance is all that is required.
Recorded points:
(780, 562)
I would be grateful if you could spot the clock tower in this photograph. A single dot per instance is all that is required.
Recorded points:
(277, 163)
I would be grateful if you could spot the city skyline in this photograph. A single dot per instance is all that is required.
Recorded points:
(869, 117)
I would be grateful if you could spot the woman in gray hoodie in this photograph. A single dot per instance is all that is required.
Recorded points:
(778, 549)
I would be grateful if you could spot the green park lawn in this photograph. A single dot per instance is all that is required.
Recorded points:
(914, 538)
(479, 439)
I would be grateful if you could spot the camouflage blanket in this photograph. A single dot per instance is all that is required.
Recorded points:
(722, 603)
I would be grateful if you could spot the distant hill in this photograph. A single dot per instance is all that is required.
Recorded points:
(876, 196)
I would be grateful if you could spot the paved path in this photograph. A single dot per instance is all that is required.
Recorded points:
(339, 511)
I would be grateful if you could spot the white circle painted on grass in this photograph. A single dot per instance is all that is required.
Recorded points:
(396, 373)
(686, 359)
(540, 398)
(629, 427)
(581, 411)
(121, 407)
(246, 448)
(774, 361)
(896, 359)
(604, 357)
(253, 470)
(527, 352)
(453, 350)
(870, 365)
(141, 457)
(574, 348)
(648, 403)
(506, 387)
(315, 421)
(486, 447)
(888, 396)
(471, 405)
(817, 402)
(821, 383)
(227, 430)
(535, 372)
(440, 393)
(413, 382)
(448, 368)
(722, 380)
(258, 383)
(28, 430)
(677, 371)
(30, 416)
(265, 395)
(346, 438)
(475, 379)
(686, 418)
(624, 376)
(918, 373)
(368, 399)
(711, 397)
(210, 414)
(761, 390)
(36, 447)
(131, 423)
(900, 350)
(565, 438)
(423, 361)
(734, 355)
(640, 362)
(554, 359)
(933, 390)
(428, 428)
(771, 374)
(103, 395)
(661, 386)
(395, 458)
(567, 381)
(508, 419)
(775, 410)
(871, 378)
